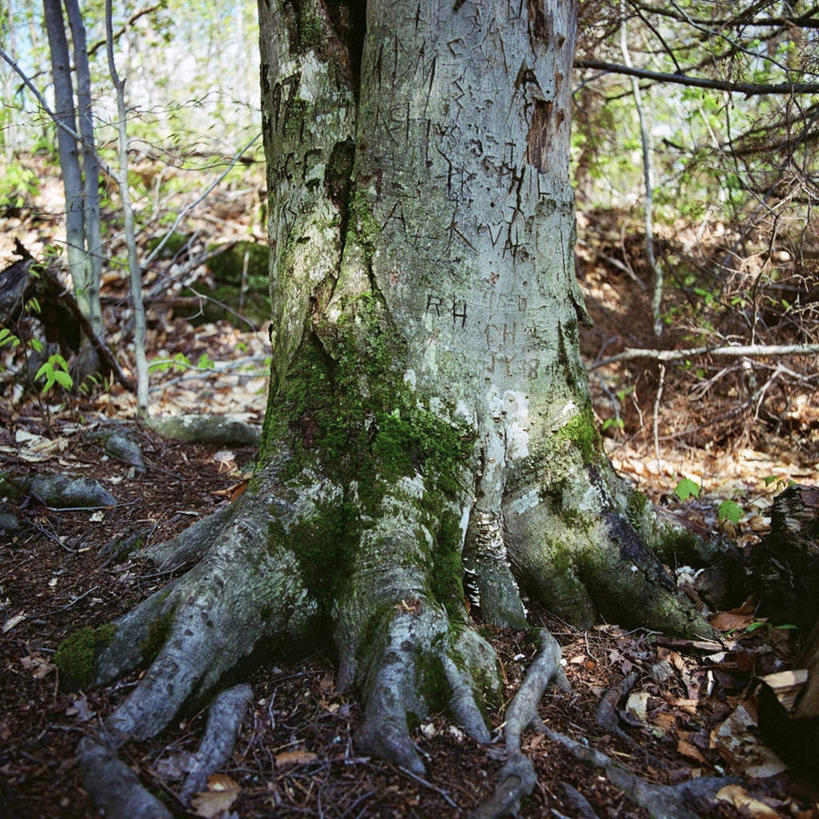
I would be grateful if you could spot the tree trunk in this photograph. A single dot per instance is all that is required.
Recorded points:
(90, 164)
(428, 435)
(86, 288)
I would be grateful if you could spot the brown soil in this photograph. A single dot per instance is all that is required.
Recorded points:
(56, 576)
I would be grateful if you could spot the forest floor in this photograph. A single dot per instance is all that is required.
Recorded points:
(690, 713)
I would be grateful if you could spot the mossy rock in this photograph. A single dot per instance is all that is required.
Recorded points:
(175, 243)
(226, 269)
(76, 656)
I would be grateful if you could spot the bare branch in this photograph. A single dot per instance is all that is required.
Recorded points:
(749, 89)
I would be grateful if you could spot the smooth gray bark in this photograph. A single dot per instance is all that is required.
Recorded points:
(86, 287)
(134, 271)
(428, 432)
(90, 163)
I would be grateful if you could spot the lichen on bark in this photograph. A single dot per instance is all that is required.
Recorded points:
(428, 433)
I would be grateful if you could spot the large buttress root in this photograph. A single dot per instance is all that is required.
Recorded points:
(583, 553)
(403, 633)
(244, 589)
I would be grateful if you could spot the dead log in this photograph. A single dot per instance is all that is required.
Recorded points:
(784, 566)
(59, 315)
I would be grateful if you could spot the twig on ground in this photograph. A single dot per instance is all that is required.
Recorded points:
(729, 350)
(440, 791)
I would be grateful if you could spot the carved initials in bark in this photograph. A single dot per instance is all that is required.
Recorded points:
(450, 427)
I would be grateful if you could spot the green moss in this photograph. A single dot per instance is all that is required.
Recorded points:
(174, 243)
(363, 224)
(680, 545)
(76, 656)
(158, 633)
(432, 681)
(446, 577)
(311, 33)
(351, 411)
(294, 117)
(582, 431)
(322, 544)
(637, 505)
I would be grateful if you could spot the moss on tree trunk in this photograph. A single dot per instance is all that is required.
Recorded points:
(428, 433)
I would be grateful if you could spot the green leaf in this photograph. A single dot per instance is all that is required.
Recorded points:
(63, 379)
(686, 488)
(728, 510)
(769, 479)
(7, 337)
(36, 345)
(754, 626)
(787, 626)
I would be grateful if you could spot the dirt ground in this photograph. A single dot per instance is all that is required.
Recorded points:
(295, 755)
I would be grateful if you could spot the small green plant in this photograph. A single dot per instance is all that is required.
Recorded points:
(18, 185)
(55, 370)
(616, 423)
(758, 624)
(7, 337)
(687, 488)
(729, 510)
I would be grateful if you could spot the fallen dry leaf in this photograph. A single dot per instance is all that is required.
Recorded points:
(211, 803)
(731, 620)
(37, 665)
(226, 460)
(637, 704)
(690, 751)
(14, 621)
(294, 758)
(664, 721)
(739, 745)
(737, 796)
(222, 792)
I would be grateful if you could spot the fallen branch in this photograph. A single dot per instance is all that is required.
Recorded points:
(728, 350)
(747, 88)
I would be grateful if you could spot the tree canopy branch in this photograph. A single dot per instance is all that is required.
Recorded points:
(749, 89)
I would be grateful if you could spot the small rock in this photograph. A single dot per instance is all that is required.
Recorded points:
(64, 492)
(126, 450)
(10, 524)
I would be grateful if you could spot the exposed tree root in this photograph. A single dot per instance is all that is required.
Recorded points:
(416, 644)
(224, 720)
(113, 787)
(607, 717)
(581, 804)
(303, 558)
(688, 800)
(517, 777)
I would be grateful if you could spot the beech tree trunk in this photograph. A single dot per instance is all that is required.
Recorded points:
(428, 436)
